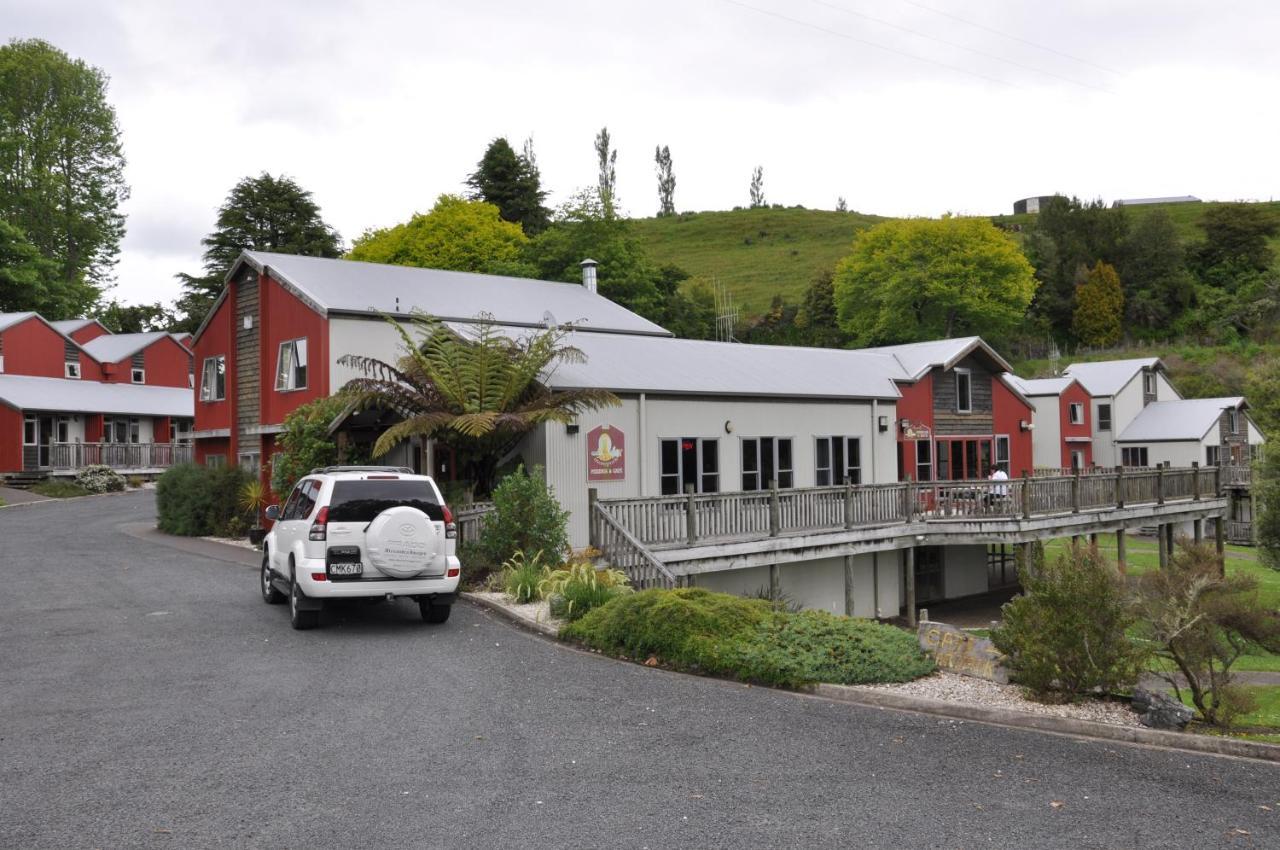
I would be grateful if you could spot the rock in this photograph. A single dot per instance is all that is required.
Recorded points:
(1160, 711)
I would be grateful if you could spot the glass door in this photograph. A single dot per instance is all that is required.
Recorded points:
(44, 441)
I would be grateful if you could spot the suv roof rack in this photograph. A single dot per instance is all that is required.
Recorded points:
(403, 469)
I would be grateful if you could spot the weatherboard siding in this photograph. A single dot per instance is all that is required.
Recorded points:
(248, 368)
(948, 421)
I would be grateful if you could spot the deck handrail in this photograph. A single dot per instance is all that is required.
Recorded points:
(626, 553)
(64, 456)
(666, 521)
(471, 520)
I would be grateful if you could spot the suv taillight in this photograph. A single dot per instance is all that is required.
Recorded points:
(450, 527)
(319, 528)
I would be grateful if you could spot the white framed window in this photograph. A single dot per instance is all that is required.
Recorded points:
(213, 379)
(924, 460)
(964, 391)
(1077, 459)
(1135, 456)
(72, 370)
(1, 362)
(764, 460)
(251, 462)
(1233, 421)
(1002, 452)
(138, 376)
(1075, 413)
(291, 366)
(30, 431)
(1104, 417)
(215, 461)
(1213, 455)
(1149, 382)
(135, 429)
(689, 462)
(837, 460)
(179, 430)
(63, 429)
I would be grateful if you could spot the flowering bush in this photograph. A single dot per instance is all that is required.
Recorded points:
(100, 479)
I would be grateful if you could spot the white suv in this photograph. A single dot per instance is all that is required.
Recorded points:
(361, 531)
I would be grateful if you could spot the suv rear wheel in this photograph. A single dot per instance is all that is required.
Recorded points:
(270, 595)
(298, 618)
(434, 613)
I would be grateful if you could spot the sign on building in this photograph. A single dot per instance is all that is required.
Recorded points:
(605, 444)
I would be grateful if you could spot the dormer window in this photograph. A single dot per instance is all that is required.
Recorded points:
(72, 370)
(138, 376)
(964, 391)
(1233, 421)
(1149, 382)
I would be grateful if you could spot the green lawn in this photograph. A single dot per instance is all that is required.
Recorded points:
(59, 489)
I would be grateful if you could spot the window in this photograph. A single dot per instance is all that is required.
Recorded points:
(179, 430)
(138, 376)
(1002, 453)
(962, 459)
(1149, 382)
(1233, 421)
(1075, 413)
(135, 429)
(689, 462)
(213, 379)
(72, 370)
(64, 429)
(1077, 460)
(765, 460)
(291, 367)
(1136, 456)
(964, 391)
(29, 431)
(215, 461)
(1213, 455)
(924, 460)
(291, 506)
(1104, 417)
(362, 501)
(838, 460)
(251, 462)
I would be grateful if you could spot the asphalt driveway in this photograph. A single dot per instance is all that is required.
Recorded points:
(149, 699)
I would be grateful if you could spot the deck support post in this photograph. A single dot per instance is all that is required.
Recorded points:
(690, 516)
(1075, 491)
(1220, 543)
(775, 582)
(1159, 485)
(1195, 482)
(1162, 546)
(848, 504)
(1197, 530)
(909, 564)
(1093, 540)
(1026, 495)
(775, 510)
(848, 585)
(1122, 562)
(1168, 538)
(1119, 486)
(593, 529)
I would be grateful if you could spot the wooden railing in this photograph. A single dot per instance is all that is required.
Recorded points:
(1236, 475)
(118, 455)
(667, 521)
(624, 552)
(1239, 532)
(471, 519)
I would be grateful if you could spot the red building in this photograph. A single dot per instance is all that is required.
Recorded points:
(1063, 438)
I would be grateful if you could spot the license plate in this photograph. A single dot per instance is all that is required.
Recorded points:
(346, 570)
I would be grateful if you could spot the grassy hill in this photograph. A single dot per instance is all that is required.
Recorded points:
(754, 253)
(758, 253)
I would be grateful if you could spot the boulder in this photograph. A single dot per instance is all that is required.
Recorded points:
(1160, 711)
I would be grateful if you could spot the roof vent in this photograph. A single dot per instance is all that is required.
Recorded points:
(589, 274)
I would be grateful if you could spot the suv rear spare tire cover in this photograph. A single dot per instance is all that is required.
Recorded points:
(402, 542)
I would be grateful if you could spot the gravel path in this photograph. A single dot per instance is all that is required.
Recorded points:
(952, 687)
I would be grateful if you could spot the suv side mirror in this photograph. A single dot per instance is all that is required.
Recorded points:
(273, 512)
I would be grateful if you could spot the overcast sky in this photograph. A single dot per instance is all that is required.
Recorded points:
(902, 107)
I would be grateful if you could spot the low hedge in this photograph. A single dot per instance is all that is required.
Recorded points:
(197, 501)
(749, 640)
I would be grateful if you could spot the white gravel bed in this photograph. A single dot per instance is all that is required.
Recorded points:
(952, 687)
(242, 542)
(534, 612)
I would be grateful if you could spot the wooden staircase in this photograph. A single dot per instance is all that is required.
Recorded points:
(23, 480)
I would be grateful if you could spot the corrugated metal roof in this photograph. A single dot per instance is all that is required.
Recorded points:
(355, 287)
(9, 319)
(917, 358)
(1183, 419)
(70, 326)
(1108, 377)
(1039, 386)
(112, 348)
(67, 396)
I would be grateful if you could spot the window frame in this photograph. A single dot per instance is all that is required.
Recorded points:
(297, 365)
(761, 485)
(71, 370)
(702, 478)
(1128, 454)
(210, 390)
(964, 402)
(138, 376)
(1007, 463)
(216, 461)
(837, 476)
(927, 463)
(1213, 455)
(1104, 425)
(1149, 378)
(1075, 413)
(1233, 421)
(30, 426)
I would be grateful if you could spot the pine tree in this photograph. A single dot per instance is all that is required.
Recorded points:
(608, 178)
(841, 204)
(1099, 307)
(511, 182)
(666, 181)
(757, 187)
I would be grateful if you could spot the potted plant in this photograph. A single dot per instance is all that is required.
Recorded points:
(253, 498)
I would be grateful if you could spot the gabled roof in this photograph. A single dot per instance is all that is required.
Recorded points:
(1183, 419)
(113, 348)
(1039, 386)
(179, 337)
(350, 287)
(1108, 377)
(70, 326)
(69, 396)
(917, 358)
(8, 320)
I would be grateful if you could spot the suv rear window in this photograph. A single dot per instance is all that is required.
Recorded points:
(361, 501)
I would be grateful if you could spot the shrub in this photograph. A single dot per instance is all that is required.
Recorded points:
(100, 479)
(136, 481)
(59, 489)
(526, 518)
(747, 639)
(1066, 634)
(579, 587)
(305, 442)
(195, 501)
(1201, 623)
(522, 577)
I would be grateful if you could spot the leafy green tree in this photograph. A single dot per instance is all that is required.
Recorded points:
(1099, 307)
(136, 318)
(1066, 236)
(305, 443)
(478, 395)
(666, 181)
(61, 167)
(459, 235)
(916, 279)
(1262, 388)
(1266, 498)
(28, 279)
(512, 183)
(1158, 287)
(263, 213)
(1236, 236)
(607, 178)
(1239, 286)
(841, 204)
(818, 320)
(757, 188)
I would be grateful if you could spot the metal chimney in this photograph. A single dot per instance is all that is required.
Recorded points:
(589, 274)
